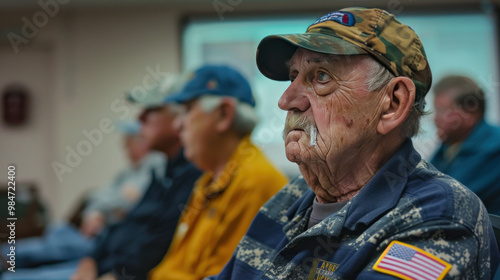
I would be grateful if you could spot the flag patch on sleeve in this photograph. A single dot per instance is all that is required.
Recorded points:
(411, 263)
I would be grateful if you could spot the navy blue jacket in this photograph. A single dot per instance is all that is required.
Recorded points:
(138, 243)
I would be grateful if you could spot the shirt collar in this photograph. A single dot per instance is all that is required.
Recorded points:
(476, 136)
(378, 196)
(241, 154)
(176, 163)
(384, 190)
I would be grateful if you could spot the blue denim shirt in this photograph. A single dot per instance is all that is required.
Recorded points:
(408, 200)
(140, 241)
(476, 164)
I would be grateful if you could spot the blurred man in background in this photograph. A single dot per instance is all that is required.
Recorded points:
(103, 207)
(470, 151)
(215, 131)
(109, 205)
(133, 247)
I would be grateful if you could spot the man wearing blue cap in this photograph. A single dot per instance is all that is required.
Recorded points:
(133, 247)
(366, 206)
(215, 131)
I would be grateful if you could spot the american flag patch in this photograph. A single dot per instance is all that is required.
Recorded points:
(411, 263)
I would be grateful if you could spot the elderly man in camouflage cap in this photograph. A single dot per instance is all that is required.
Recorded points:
(366, 206)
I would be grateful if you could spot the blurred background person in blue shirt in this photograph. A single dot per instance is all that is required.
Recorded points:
(103, 207)
(470, 149)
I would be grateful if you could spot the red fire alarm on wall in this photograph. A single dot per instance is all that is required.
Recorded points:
(15, 103)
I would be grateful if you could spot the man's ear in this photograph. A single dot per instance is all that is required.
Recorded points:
(225, 114)
(400, 94)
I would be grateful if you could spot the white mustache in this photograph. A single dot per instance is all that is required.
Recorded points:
(295, 121)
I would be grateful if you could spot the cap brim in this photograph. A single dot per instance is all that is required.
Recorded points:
(178, 98)
(185, 96)
(274, 51)
(147, 99)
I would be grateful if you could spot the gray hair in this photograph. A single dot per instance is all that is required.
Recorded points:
(377, 78)
(245, 118)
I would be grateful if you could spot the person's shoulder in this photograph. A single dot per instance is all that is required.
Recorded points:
(259, 167)
(429, 181)
(491, 143)
(291, 194)
(440, 196)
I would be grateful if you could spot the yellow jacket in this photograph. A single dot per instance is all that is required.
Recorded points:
(218, 215)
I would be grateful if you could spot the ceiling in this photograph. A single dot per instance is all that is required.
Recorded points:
(6, 5)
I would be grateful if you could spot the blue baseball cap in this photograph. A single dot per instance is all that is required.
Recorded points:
(214, 80)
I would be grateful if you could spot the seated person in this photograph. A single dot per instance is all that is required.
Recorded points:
(215, 131)
(63, 241)
(471, 148)
(366, 206)
(109, 205)
(137, 243)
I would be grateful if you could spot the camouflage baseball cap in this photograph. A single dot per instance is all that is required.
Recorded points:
(353, 31)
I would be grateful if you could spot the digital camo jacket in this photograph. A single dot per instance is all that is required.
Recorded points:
(428, 215)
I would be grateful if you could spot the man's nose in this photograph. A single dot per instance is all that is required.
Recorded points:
(295, 97)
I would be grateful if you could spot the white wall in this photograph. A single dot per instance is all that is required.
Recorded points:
(29, 147)
(109, 54)
(92, 58)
